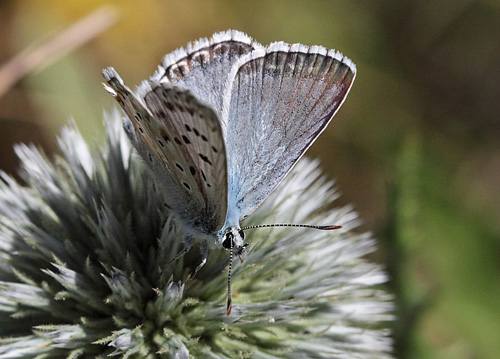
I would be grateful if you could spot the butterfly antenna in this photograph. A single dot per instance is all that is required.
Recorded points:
(324, 228)
(229, 303)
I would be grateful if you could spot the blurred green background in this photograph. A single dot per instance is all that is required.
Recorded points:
(415, 148)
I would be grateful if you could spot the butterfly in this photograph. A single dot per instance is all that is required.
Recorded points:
(223, 120)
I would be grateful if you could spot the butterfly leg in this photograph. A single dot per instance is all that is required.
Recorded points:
(187, 247)
(204, 248)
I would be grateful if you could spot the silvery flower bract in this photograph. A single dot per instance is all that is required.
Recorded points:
(85, 268)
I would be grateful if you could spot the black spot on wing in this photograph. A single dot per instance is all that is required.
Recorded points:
(164, 135)
(170, 106)
(205, 158)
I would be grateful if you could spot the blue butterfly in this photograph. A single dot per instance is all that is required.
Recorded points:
(223, 121)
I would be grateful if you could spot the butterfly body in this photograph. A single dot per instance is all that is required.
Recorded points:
(224, 120)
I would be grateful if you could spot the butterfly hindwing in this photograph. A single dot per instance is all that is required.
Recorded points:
(280, 99)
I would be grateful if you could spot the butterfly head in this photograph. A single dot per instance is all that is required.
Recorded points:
(233, 238)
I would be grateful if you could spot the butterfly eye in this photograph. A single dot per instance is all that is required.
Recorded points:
(241, 233)
(228, 241)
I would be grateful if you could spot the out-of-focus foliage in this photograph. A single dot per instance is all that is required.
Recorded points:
(415, 146)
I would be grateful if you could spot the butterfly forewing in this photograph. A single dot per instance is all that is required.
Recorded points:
(137, 126)
(280, 99)
(203, 66)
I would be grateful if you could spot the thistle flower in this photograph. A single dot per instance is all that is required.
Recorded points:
(87, 268)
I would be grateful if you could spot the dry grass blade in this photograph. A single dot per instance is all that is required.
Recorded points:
(41, 54)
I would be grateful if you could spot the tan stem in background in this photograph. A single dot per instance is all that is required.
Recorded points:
(47, 51)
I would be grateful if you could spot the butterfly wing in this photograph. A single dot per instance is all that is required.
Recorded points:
(279, 101)
(181, 139)
(203, 66)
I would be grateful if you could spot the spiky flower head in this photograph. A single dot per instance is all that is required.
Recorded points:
(87, 269)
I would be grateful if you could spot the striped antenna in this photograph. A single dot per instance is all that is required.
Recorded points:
(229, 303)
(324, 228)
